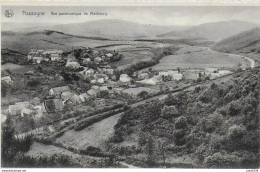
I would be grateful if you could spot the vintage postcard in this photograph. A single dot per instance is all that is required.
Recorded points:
(125, 85)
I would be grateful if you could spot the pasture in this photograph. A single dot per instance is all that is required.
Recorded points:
(95, 135)
(196, 57)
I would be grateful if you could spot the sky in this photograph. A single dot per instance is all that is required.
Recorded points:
(157, 15)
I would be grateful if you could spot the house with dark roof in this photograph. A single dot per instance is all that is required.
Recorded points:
(58, 90)
(52, 105)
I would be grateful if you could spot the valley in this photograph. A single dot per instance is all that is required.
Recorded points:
(146, 96)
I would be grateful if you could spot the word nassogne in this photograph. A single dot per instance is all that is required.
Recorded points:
(33, 13)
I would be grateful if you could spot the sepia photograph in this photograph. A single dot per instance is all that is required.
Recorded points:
(128, 86)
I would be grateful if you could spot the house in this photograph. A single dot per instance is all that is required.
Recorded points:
(177, 76)
(104, 88)
(30, 56)
(214, 75)
(104, 76)
(118, 90)
(143, 76)
(84, 97)
(95, 87)
(55, 57)
(210, 70)
(163, 73)
(109, 55)
(51, 128)
(100, 80)
(92, 92)
(87, 61)
(224, 72)
(35, 101)
(26, 112)
(90, 72)
(191, 76)
(125, 78)
(75, 99)
(66, 95)
(3, 118)
(74, 65)
(6, 79)
(17, 108)
(58, 90)
(71, 58)
(37, 60)
(97, 60)
(108, 71)
(151, 81)
(53, 105)
(172, 72)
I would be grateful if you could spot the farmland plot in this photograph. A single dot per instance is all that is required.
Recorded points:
(95, 135)
(197, 57)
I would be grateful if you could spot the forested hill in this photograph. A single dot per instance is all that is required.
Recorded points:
(214, 127)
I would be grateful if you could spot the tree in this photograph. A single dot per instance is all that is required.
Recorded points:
(150, 150)
(143, 94)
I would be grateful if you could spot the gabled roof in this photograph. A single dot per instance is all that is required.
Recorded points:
(91, 92)
(60, 89)
(53, 104)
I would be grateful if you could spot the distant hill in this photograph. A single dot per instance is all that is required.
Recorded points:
(215, 31)
(110, 28)
(24, 42)
(245, 42)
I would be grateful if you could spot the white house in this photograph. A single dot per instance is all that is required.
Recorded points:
(6, 79)
(84, 97)
(177, 76)
(17, 108)
(92, 92)
(26, 111)
(97, 60)
(109, 55)
(210, 70)
(37, 60)
(55, 57)
(163, 73)
(73, 65)
(125, 78)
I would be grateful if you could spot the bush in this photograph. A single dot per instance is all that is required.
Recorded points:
(181, 123)
(169, 112)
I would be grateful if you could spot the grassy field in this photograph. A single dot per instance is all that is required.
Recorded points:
(95, 135)
(136, 91)
(10, 66)
(195, 57)
(38, 149)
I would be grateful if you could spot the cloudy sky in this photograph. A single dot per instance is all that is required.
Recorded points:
(174, 15)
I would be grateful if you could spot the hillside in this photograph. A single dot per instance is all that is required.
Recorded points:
(245, 42)
(47, 39)
(110, 28)
(215, 31)
(214, 126)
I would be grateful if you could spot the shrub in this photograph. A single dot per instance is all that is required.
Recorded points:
(181, 123)
(169, 112)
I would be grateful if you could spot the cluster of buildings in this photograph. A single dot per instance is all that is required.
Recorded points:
(38, 56)
(177, 75)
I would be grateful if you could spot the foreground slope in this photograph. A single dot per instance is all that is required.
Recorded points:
(214, 126)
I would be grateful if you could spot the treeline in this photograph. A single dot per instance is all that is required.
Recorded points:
(216, 126)
(91, 120)
(158, 54)
(13, 153)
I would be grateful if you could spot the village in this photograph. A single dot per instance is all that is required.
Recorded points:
(105, 83)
